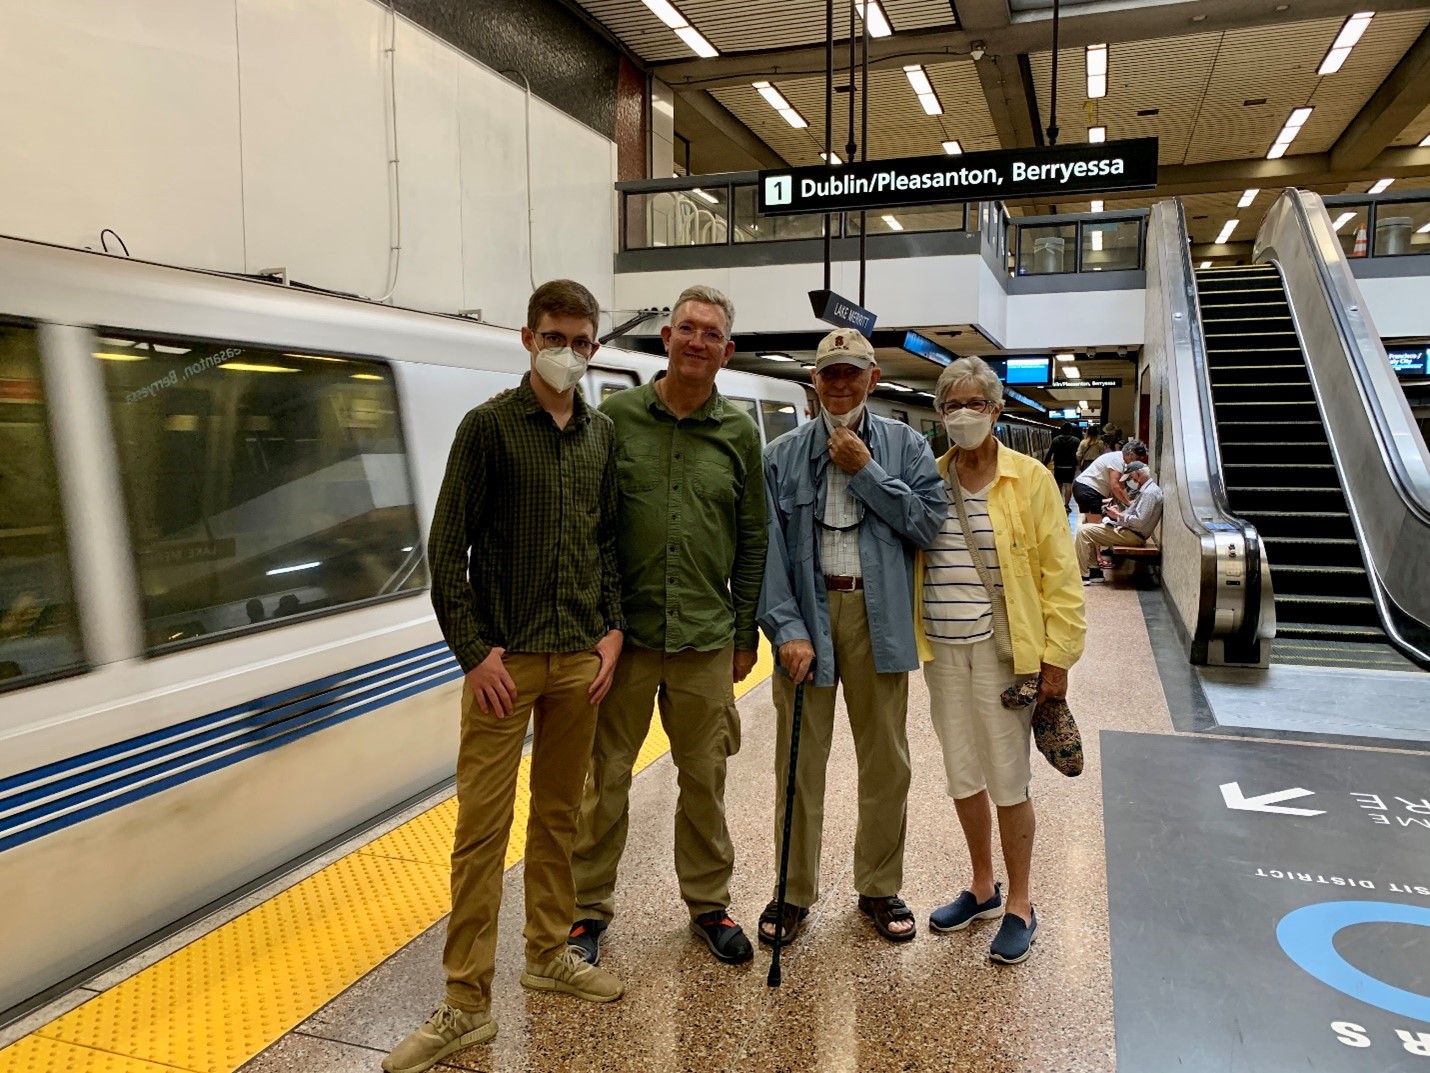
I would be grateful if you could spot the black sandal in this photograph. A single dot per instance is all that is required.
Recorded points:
(883, 911)
(793, 923)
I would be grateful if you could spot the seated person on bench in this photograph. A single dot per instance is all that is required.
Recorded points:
(1102, 480)
(1131, 527)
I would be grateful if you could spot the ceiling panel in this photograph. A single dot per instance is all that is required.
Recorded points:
(1418, 130)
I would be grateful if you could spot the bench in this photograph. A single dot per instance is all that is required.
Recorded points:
(1148, 555)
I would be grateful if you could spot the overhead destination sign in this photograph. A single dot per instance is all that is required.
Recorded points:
(1004, 174)
(1098, 381)
(840, 311)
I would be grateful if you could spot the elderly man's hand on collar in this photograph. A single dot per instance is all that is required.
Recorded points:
(848, 451)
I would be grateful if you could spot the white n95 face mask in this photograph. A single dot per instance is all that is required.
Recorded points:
(966, 428)
(561, 367)
(849, 420)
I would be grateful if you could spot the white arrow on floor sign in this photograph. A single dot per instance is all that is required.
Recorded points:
(1234, 798)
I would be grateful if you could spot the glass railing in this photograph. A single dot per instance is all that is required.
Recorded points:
(1381, 225)
(1086, 242)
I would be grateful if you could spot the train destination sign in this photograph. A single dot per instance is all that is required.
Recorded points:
(841, 312)
(1003, 174)
(1097, 381)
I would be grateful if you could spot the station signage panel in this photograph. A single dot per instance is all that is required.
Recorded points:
(1409, 362)
(1076, 385)
(1004, 174)
(923, 347)
(841, 312)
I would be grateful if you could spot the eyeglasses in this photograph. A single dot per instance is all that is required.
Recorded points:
(978, 406)
(711, 336)
(582, 345)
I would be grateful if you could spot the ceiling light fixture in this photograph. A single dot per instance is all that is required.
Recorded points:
(779, 104)
(893, 223)
(1344, 42)
(919, 80)
(1205, 264)
(1381, 186)
(1097, 240)
(898, 387)
(952, 148)
(706, 195)
(1425, 142)
(1072, 372)
(1096, 71)
(1423, 230)
(1248, 197)
(694, 40)
(666, 13)
(1063, 357)
(1226, 231)
(1096, 206)
(774, 357)
(1294, 122)
(832, 158)
(1096, 134)
(876, 21)
(1343, 219)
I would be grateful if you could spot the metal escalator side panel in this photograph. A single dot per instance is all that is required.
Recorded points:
(1378, 451)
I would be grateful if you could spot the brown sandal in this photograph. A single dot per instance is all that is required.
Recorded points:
(793, 922)
(883, 911)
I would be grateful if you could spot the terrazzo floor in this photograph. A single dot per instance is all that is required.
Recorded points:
(850, 1000)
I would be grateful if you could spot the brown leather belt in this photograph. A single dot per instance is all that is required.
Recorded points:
(843, 584)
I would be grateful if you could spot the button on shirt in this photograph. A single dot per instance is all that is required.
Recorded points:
(956, 607)
(523, 540)
(839, 535)
(692, 522)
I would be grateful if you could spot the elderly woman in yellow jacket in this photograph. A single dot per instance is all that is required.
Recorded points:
(1016, 525)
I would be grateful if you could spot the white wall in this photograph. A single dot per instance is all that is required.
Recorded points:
(242, 135)
(1398, 306)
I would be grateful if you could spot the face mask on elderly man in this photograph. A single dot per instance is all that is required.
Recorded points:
(849, 420)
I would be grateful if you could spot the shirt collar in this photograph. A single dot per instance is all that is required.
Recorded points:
(709, 410)
(531, 405)
(1007, 467)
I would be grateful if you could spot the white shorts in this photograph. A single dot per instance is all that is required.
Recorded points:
(985, 745)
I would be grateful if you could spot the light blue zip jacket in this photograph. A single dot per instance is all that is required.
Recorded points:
(905, 506)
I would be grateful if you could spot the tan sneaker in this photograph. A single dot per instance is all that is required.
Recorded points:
(569, 972)
(448, 1029)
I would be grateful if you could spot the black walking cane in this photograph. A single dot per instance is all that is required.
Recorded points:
(774, 977)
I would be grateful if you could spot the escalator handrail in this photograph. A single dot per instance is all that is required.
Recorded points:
(1401, 445)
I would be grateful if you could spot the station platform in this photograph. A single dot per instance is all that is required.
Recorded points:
(1212, 894)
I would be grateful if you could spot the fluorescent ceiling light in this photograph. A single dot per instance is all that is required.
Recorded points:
(1344, 42)
(1205, 264)
(1423, 230)
(243, 367)
(1226, 231)
(706, 195)
(1292, 127)
(897, 387)
(1096, 206)
(1097, 240)
(1063, 357)
(1425, 142)
(1072, 372)
(777, 101)
(290, 569)
(794, 119)
(877, 24)
(121, 357)
(697, 44)
(1096, 71)
(1083, 405)
(1343, 219)
(919, 80)
(893, 223)
(832, 158)
(1381, 186)
(1248, 197)
(1097, 134)
(366, 376)
(953, 148)
(774, 357)
(667, 14)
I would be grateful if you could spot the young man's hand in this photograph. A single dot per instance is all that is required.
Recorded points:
(745, 663)
(608, 648)
(492, 687)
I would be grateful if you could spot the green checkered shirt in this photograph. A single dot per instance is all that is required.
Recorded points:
(692, 522)
(523, 541)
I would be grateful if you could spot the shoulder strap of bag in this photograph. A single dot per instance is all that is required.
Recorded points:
(973, 551)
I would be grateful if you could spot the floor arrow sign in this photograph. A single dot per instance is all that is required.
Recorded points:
(1234, 798)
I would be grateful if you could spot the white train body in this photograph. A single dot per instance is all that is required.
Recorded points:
(174, 753)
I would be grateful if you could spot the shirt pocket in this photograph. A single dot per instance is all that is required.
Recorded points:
(714, 482)
(637, 472)
(798, 510)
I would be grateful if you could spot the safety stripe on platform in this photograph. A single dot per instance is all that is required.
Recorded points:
(222, 999)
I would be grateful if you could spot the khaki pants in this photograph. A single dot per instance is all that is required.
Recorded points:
(550, 690)
(696, 696)
(878, 710)
(1092, 537)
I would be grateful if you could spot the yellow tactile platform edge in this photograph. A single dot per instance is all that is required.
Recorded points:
(216, 1003)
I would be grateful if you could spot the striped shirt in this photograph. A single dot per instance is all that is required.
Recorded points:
(956, 608)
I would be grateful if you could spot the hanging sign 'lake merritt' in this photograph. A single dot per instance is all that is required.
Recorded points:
(1001, 175)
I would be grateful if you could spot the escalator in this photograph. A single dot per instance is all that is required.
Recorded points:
(1280, 475)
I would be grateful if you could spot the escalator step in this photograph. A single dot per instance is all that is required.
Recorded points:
(1262, 467)
(1329, 630)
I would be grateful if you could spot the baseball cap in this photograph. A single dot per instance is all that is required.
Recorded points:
(1134, 467)
(845, 346)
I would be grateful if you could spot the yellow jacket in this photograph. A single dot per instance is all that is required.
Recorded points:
(1041, 580)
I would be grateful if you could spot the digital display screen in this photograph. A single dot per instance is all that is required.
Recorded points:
(1033, 371)
(1410, 362)
(924, 347)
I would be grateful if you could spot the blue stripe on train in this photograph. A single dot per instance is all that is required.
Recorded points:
(257, 738)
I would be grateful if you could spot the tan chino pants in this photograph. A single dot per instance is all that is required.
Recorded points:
(1092, 537)
(551, 690)
(695, 694)
(878, 707)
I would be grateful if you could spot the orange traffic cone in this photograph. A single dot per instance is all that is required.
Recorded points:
(1359, 249)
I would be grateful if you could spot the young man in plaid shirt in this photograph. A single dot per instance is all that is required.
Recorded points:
(526, 589)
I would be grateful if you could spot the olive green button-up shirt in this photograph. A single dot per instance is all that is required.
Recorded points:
(523, 540)
(692, 533)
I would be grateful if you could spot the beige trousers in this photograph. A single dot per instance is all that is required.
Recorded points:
(1092, 537)
(695, 692)
(878, 711)
(551, 691)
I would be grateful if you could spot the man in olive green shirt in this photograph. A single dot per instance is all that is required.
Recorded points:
(691, 548)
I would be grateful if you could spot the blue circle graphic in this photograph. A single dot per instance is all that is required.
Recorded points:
(1307, 935)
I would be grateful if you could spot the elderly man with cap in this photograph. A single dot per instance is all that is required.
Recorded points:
(1101, 480)
(1132, 526)
(850, 497)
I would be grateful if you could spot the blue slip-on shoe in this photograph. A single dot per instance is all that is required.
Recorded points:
(1014, 941)
(965, 909)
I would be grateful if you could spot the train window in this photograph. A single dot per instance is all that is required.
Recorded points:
(261, 484)
(39, 631)
(748, 405)
(778, 417)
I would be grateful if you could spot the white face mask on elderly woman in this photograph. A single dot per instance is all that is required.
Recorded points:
(966, 428)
